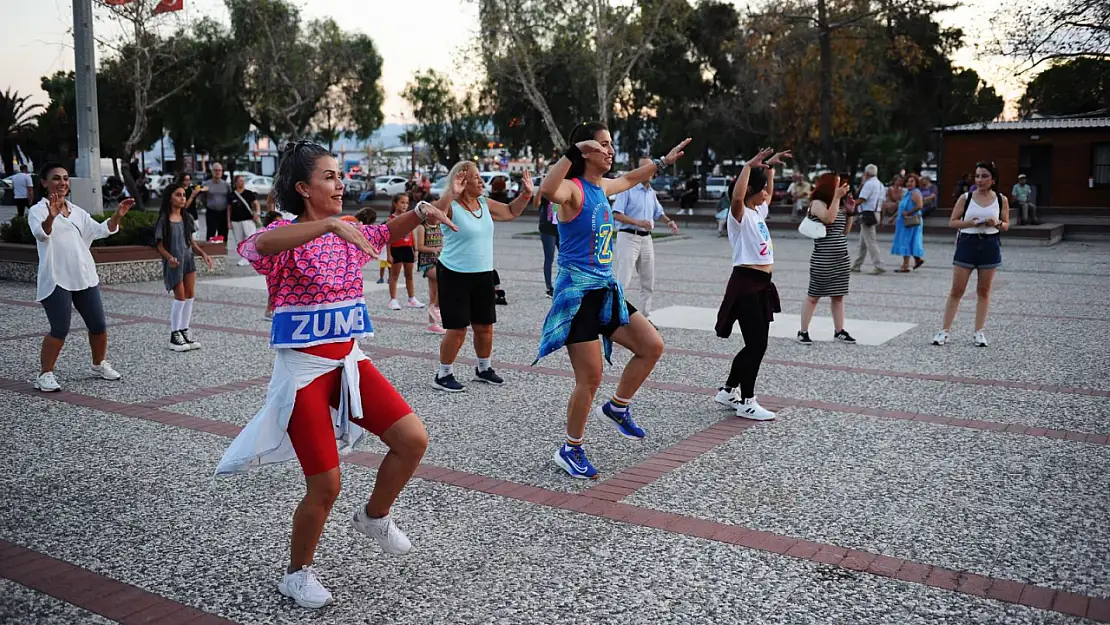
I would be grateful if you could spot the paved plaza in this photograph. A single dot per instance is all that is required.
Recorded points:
(901, 483)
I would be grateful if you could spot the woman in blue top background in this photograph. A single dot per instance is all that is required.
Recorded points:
(908, 240)
(589, 303)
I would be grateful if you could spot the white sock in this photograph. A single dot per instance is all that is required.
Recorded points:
(444, 371)
(483, 364)
(186, 313)
(175, 315)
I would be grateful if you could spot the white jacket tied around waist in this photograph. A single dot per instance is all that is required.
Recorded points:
(265, 441)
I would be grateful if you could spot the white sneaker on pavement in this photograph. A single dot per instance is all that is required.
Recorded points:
(980, 339)
(105, 370)
(390, 537)
(394, 305)
(750, 409)
(415, 303)
(47, 383)
(940, 338)
(242, 262)
(730, 399)
(304, 587)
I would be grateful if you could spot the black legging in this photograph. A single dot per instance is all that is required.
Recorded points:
(755, 327)
(215, 222)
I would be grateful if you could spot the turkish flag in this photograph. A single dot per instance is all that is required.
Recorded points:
(165, 6)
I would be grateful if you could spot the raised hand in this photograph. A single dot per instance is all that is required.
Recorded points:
(676, 152)
(526, 185)
(841, 191)
(56, 204)
(756, 162)
(777, 158)
(458, 184)
(125, 206)
(351, 233)
(589, 146)
(437, 215)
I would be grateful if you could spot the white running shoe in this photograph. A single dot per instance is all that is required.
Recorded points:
(105, 370)
(415, 303)
(750, 409)
(47, 383)
(394, 305)
(727, 398)
(390, 537)
(940, 338)
(242, 262)
(980, 339)
(304, 587)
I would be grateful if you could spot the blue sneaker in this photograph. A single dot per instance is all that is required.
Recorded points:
(573, 460)
(625, 425)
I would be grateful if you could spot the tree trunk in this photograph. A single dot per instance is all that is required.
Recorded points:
(825, 39)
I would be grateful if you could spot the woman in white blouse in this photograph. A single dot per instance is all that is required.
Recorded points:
(67, 274)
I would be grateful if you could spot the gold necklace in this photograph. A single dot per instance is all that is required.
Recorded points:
(472, 214)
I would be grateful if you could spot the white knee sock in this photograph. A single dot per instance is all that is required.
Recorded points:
(175, 315)
(186, 313)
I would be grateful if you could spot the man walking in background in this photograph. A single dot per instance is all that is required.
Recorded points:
(23, 189)
(635, 212)
(869, 207)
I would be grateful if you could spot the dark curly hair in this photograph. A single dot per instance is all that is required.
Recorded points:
(298, 159)
(585, 131)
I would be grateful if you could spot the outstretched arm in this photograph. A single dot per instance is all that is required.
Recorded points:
(508, 212)
(641, 175)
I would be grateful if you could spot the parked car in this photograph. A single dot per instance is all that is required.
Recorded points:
(439, 187)
(715, 187)
(662, 185)
(260, 186)
(390, 185)
(489, 176)
(779, 192)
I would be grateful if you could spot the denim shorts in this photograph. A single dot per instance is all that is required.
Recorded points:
(975, 251)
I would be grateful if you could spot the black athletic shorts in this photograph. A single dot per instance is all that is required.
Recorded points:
(402, 254)
(465, 298)
(587, 323)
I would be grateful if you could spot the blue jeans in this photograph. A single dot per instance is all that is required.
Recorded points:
(550, 244)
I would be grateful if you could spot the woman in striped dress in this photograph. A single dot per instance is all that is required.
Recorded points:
(829, 265)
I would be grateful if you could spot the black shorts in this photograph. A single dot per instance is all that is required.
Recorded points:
(465, 298)
(402, 254)
(587, 325)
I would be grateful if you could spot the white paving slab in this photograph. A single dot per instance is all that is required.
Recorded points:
(865, 331)
(258, 283)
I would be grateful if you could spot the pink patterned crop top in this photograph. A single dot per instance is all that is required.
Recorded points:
(316, 289)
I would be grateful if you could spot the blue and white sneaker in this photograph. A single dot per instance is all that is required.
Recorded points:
(572, 459)
(625, 425)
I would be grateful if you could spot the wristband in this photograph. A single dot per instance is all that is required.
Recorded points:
(572, 152)
(421, 210)
(659, 164)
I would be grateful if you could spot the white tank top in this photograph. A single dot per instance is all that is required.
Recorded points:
(750, 239)
(974, 211)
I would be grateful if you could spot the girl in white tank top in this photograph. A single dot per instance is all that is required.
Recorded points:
(974, 212)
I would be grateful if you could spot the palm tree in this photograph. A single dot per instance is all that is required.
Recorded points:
(17, 119)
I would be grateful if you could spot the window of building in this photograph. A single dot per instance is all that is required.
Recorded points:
(1100, 164)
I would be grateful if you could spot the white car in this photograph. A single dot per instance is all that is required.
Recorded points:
(439, 187)
(259, 185)
(390, 185)
(489, 176)
(715, 187)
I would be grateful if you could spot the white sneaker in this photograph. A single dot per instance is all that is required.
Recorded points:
(726, 398)
(187, 335)
(415, 303)
(980, 339)
(394, 305)
(750, 409)
(304, 587)
(105, 370)
(242, 262)
(390, 537)
(47, 383)
(940, 338)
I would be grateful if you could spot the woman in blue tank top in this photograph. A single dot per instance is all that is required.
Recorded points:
(588, 304)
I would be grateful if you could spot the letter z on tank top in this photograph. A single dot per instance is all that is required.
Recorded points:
(586, 242)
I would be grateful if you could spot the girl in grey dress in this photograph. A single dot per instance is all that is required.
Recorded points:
(173, 236)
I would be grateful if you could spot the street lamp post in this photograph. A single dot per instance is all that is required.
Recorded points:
(85, 187)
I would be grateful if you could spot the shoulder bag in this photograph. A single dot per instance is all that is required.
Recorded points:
(811, 228)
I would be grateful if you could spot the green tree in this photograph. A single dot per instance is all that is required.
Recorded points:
(1042, 31)
(1070, 88)
(17, 122)
(452, 127)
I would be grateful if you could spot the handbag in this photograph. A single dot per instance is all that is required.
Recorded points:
(911, 221)
(811, 228)
(868, 218)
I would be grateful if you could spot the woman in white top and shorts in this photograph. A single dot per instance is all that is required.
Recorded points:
(751, 297)
(980, 216)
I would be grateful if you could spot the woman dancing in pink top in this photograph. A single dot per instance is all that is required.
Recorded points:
(325, 392)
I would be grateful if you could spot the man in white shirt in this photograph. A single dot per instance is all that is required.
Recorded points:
(635, 212)
(869, 207)
(799, 192)
(23, 189)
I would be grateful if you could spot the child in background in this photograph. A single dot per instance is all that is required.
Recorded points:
(429, 243)
(402, 258)
(173, 234)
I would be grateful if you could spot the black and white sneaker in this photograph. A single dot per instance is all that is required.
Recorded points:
(844, 337)
(550, 294)
(488, 376)
(187, 335)
(803, 338)
(449, 384)
(177, 342)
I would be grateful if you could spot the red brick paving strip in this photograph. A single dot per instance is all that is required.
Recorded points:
(120, 602)
(18, 560)
(952, 379)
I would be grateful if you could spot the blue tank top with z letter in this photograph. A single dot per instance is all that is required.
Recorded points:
(586, 242)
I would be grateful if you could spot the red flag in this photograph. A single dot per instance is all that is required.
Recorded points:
(165, 6)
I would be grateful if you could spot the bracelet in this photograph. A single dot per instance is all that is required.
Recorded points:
(421, 209)
(660, 165)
